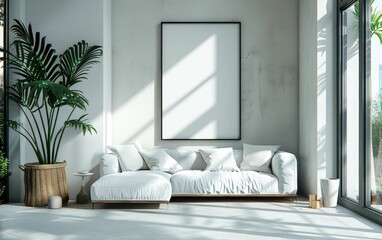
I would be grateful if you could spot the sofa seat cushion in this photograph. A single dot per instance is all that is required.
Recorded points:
(223, 182)
(142, 185)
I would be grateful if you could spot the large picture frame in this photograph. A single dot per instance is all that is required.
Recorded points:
(201, 81)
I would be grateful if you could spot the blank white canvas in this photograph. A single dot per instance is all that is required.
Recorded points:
(200, 81)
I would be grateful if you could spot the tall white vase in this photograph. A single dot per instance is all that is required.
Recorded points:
(329, 190)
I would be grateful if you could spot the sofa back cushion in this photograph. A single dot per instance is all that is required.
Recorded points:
(238, 156)
(160, 160)
(219, 159)
(188, 159)
(258, 157)
(128, 157)
(193, 160)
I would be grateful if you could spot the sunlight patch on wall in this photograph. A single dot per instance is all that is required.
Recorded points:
(190, 72)
(193, 77)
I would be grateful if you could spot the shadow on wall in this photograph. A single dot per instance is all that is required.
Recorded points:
(195, 99)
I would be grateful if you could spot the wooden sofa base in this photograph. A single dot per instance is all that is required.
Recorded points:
(183, 197)
(126, 201)
(236, 195)
(293, 196)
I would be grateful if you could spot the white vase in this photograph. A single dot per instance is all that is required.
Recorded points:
(329, 190)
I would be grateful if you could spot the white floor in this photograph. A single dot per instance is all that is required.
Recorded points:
(185, 220)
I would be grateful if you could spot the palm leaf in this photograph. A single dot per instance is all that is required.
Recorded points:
(12, 124)
(34, 59)
(376, 24)
(75, 100)
(14, 94)
(81, 124)
(76, 62)
(375, 20)
(40, 90)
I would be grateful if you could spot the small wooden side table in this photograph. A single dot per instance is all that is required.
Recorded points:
(83, 196)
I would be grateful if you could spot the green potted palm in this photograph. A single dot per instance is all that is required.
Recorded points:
(45, 91)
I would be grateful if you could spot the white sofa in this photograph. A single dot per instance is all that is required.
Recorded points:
(158, 186)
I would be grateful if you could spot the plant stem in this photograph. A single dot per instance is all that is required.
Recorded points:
(48, 137)
(39, 156)
(46, 160)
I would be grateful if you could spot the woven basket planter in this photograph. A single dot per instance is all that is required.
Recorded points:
(42, 181)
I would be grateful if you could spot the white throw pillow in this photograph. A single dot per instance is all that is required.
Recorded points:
(185, 158)
(128, 157)
(258, 157)
(160, 160)
(219, 159)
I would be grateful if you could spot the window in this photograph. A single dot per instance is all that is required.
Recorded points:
(374, 43)
(360, 106)
(350, 103)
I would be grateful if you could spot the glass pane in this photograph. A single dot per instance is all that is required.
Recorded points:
(375, 45)
(350, 50)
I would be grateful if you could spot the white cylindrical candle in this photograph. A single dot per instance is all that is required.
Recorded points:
(54, 202)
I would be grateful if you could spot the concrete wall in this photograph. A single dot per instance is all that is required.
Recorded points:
(269, 57)
(124, 90)
(317, 99)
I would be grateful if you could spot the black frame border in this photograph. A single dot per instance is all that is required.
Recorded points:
(161, 73)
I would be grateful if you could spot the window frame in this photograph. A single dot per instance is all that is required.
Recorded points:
(5, 70)
(361, 207)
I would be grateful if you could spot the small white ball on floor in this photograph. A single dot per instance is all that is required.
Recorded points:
(54, 202)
